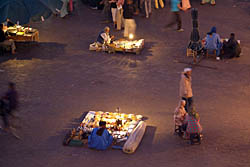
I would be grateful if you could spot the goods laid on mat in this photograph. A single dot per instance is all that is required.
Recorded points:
(127, 130)
(23, 34)
(121, 45)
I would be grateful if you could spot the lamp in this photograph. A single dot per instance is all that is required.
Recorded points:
(131, 36)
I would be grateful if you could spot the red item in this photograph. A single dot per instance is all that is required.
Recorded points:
(71, 5)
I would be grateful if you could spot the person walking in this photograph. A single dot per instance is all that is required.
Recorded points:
(176, 18)
(120, 19)
(186, 92)
(114, 11)
(185, 4)
(157, 4)
(8, 104)
(148, 8)
(130, 25)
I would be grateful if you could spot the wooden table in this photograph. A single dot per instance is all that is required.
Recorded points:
(27, 37)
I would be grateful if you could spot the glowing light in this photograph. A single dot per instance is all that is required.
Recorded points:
(131, 36)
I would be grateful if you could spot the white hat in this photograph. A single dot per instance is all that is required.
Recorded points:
(187, 69)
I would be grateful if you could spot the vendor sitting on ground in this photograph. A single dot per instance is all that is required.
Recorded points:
(104, 37)
(100, 138)
(5, 42)
(231, 48)
(192, 126)
(212, 41)
(179, 116)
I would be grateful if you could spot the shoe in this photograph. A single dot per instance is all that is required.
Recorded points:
(94, 8)
(147, 17)
(180, 30)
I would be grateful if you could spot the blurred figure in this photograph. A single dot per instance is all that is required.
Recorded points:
(120, 19)
(186, 92)
(212, 2)
(8, 104)
(64, 9)
(148, 8)
(130, 25)
(157, 4)
(231, 48)
(11, 97)
(100, 138)
(176, 18)
(185, 5)
(114, 11)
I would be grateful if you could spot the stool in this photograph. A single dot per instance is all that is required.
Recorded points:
(191, 52)
(211, 53)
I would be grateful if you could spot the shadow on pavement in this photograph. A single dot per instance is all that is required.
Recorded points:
(28, 51)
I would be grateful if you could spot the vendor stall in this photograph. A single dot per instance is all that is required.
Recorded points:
(121, 45)
(127, 129)
(22, 34)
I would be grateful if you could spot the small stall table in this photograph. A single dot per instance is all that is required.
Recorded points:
(127, 129)
(21, 34)
(121, 45)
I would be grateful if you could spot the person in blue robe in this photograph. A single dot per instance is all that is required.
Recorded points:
(213, 41)
(100, 138)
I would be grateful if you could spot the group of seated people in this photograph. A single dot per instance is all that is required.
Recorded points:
(5, 43)
(187, 125)
(224, 48)
(99, 139)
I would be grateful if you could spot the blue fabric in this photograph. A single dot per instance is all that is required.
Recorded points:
(174, 5)
(213, 43)
(99, 142)
(26, 10)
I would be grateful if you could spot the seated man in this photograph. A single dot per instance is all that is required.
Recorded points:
(231, 47)
(192, 126)
(5, 42)
(212, 41)
(104, 37)
(100, 138)
(179, 116)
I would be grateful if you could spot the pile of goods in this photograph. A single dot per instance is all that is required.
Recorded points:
(121, 45)
(127, 129)
(19, 30)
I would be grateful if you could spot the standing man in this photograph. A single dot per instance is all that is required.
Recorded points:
(128, 13)
(176, 19)
(186, 92)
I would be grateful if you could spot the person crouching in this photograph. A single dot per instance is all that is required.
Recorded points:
(104, 37)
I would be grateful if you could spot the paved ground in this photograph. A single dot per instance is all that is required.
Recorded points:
(59, 79)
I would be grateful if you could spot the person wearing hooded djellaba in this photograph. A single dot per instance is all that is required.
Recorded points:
(213, 41)
(100, 138)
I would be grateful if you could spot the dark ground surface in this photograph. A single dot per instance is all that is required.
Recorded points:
(59, 79)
